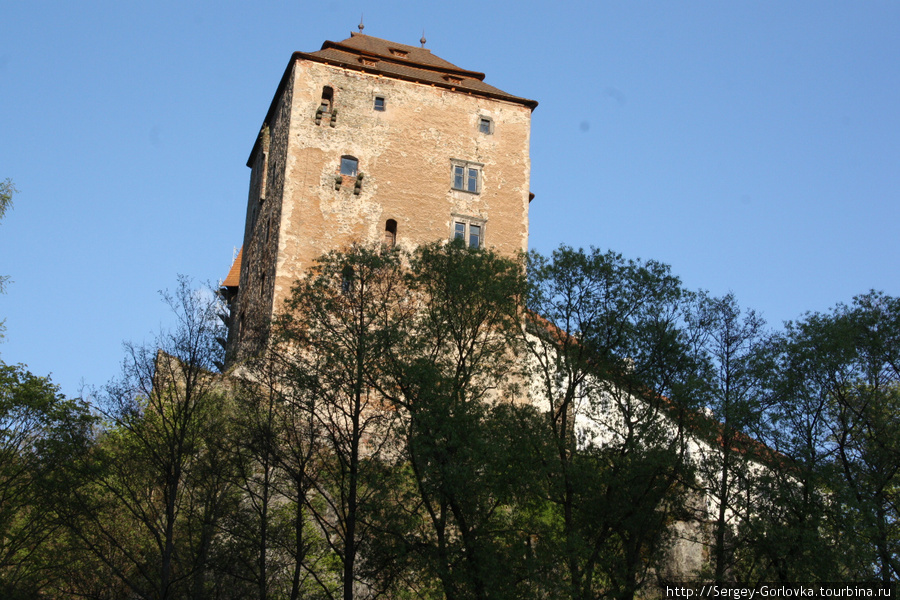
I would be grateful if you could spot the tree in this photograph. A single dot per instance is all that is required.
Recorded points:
(40, 432)
(468, 446)
(7, 191)
(274, 441)
(613, 370)
(792, 531)
(732, 341)
(851, 369)
(335, 329)
(154, 486)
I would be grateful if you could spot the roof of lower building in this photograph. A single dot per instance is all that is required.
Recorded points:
(234, 274)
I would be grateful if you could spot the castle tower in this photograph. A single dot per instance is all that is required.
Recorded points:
(369, 140)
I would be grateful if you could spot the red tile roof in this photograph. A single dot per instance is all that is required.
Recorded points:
(399, 61)
(696, 421)
(234, 274)
(375, 55)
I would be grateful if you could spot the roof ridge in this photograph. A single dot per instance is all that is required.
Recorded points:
(354, 34)
(405, 62)
(417, 57)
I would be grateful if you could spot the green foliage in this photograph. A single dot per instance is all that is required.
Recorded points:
(41, 432)
(152, 490)
(838, 392)
(605, 336)
(448, 423)
(7, 191)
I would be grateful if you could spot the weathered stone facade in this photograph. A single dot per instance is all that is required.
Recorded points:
(437, 152)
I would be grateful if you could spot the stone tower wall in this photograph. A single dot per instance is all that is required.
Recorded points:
(405, 154)
(260, 249)
(300, 206)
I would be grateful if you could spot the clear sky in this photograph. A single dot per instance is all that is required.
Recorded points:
(754, 146)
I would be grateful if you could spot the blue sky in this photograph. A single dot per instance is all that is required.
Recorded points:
(753, 146)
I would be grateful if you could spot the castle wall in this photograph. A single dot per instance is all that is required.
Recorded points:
(261, 231)
(404, 154)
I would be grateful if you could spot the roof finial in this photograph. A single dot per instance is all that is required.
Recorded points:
(361, 26)
(422, 41)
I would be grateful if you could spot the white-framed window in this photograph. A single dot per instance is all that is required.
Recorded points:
(380, 103)
(485, 125)
(469, 230)
(466, 176)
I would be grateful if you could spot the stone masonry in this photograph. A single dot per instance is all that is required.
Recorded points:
(428, 151)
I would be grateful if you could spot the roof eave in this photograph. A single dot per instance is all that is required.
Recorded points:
(406, 62)
(532, 104)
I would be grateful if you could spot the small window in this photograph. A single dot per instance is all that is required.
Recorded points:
(349, 166)
(400, 53)
(468, 230)
(379, 103)
(466, 176)
(485, 125)
(327, 98)
(390, 233)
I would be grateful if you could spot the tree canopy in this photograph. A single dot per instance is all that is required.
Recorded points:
(450, 423)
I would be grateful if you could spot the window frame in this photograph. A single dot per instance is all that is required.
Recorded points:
(467, 224)
(383, 103)
(467, 171)
(482, 120)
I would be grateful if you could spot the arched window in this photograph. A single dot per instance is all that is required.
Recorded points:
(390, 233)
(349, 165)
(327, 98)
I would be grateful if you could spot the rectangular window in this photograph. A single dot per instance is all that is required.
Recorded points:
(470, 231)
(379, 103)
(472, 182)
(459, 231)
(474, 236)
(484, 125)
(466, 176)
(349, 166)
(459, 174)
